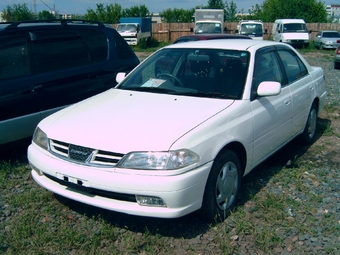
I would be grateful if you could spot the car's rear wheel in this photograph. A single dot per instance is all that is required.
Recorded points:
(222, 187)
(308, 135)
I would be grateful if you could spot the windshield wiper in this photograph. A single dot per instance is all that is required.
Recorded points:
(209, 94)
(150, 89)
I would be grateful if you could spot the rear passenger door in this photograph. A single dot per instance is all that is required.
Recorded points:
(272, 114)
(301, 86)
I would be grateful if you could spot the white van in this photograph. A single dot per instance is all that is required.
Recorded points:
(291, 31)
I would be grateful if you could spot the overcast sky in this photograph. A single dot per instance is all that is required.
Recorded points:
(155, 6)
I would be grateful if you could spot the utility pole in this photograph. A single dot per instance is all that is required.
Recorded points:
(35, 6)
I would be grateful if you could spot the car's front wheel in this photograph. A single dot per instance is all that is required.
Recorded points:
(336, 65)
(308, 135)
(222, 188)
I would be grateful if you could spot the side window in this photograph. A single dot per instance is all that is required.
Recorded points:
(58, 49)
(14, 61)
(97, 44)
(267, 68)
(293, 66)
(122, 48)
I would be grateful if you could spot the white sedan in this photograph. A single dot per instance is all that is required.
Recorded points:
(181, 130)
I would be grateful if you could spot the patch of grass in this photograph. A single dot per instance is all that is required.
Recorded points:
(149, 46)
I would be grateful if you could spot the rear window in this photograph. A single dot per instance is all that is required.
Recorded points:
(123, 50)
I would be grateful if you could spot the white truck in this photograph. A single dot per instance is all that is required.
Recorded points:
(135, 29)
(209, 21)
(251, 28)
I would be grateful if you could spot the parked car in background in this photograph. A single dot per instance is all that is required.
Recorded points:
(291, 31)
(198, 37)
(177, 134)
(47, 65)
(337, 58)
(328, 39)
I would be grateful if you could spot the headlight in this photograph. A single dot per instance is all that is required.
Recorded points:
(40, 138)
(168, 160)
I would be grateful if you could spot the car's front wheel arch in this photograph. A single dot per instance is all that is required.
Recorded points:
(223, 184)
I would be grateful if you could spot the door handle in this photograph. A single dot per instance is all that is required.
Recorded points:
(287, 101)
(31, 89)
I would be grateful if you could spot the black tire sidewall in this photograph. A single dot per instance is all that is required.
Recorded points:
(210, 209)
(304, 137)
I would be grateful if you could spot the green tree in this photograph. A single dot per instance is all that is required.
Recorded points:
(45, 15)
(17, 12)
(309, 10)
(136, 11)
(215, 4)
(107, 14)
(230, 12)
(177, 15)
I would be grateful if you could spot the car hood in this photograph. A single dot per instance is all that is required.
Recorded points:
(123, 121)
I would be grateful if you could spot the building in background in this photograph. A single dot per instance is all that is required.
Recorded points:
(333, 11)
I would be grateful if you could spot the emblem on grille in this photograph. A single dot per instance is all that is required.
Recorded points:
(79, 153)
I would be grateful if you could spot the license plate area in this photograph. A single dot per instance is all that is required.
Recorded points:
(74, 180)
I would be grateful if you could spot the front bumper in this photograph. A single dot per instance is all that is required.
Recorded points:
(298, 43)
(330, 46)
(181, 193)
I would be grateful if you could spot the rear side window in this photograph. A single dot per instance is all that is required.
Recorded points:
(293, 66)
(58, 49)
(97, 44)
(14, 60)
(122, 48)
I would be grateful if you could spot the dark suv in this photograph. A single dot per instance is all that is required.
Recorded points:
(47, 65)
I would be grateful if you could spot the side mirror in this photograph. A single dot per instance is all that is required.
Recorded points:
(269, 88)
(191, 30)
(266, 31)
(120, 77)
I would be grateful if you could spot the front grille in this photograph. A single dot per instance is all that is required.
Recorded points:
(84, 155)
(79, 153)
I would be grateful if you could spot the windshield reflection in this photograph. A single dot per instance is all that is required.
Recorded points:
(192, 72)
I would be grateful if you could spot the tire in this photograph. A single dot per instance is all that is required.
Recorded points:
(308, 135)
(336, 65)
(222, 187)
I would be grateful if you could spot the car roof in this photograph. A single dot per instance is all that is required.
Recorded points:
(44, 23)
(236, 44)
(197, 37)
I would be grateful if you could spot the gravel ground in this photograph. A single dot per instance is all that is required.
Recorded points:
(188, 235)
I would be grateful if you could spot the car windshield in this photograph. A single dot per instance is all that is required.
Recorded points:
(295, 27)
(208, 27)
(127, 28)
(251, 29)
(197, 72)
(331, 34)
